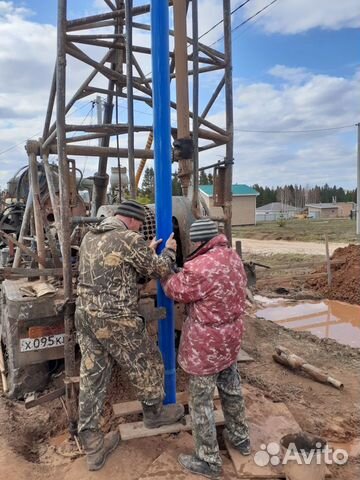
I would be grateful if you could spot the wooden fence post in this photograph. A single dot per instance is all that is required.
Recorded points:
(328, 264)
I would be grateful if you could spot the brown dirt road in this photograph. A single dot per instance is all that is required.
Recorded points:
(268, 247)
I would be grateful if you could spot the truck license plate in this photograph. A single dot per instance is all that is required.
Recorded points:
(38, 343)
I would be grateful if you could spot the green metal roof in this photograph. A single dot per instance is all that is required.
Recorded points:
(237, 190)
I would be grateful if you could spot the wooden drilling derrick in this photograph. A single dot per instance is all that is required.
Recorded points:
(117, 63)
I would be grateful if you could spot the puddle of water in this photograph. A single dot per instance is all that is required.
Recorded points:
(327, 319)
(269, 301)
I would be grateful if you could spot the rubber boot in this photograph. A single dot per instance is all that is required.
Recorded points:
(199, 467)
(157, 415)
(98, 447)
(242, 447)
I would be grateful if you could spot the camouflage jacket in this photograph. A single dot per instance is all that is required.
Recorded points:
(111, 260)
(213, 284)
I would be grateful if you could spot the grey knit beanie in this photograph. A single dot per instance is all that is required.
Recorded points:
(131, 209)
(203, 230)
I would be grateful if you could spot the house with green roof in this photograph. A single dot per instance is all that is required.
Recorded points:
(243, 203)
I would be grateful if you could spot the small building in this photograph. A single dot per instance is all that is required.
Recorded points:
(322, 210)
(243, 203)
(274, 211)
(330, 210)
(345, 208)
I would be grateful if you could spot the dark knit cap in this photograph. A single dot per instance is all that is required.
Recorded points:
(131, 209)
(203, 230)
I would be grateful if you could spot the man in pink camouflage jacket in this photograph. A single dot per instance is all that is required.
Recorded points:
(212, 283)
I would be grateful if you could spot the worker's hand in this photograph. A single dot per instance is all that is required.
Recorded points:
(171, 242)
(155, 243)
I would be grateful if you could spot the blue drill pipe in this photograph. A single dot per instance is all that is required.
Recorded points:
(163, 187)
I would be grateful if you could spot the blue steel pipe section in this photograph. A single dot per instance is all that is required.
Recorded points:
(163, 194)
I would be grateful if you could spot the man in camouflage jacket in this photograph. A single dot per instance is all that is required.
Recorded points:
(113, 255)
(212, 284)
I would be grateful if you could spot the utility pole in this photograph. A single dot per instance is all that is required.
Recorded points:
(229, 119)
(358, 182)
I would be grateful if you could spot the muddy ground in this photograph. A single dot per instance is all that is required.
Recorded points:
(345, 282)
(28, 437)
(300, 280)
(30, 440)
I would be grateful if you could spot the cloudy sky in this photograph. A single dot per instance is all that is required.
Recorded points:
(296, 86)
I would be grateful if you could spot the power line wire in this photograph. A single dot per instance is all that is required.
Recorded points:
(135, 110)
(12, 147)
(214, 26)
(248, 27)
(86, 116)
(18, 144)
(245, 21)
(80, 108)
(222, 20)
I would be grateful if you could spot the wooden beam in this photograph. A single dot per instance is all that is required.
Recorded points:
(88, 26)
(22, 247)
(102, 43)
(75, 52)
(133, 407)
(78, 94)
(212, 53)
(37, 208)
(32, 401)
(11, 272)
(129, 431)
(88, 151)
(84, 138)
(210, 68)
(93, 19)
(108, 128)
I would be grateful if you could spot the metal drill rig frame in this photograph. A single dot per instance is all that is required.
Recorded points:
(120, 66)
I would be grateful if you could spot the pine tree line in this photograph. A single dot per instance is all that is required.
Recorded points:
(299, 196)
(295, 195)
(146, 193)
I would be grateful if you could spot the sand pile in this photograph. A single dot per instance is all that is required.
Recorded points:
(345, 284)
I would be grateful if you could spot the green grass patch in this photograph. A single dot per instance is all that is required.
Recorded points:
(281, 259)
(338, 230)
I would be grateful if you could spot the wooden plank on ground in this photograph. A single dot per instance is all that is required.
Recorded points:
(268, 423)
(244, 356)
(130, 408)
(128, 431)
(33, 401)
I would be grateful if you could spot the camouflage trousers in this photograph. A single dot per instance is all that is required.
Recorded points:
(126, 341)
(202, 412)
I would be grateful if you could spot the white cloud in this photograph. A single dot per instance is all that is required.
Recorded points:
(295, 16)
(209, 13)
(27, 58)
(295, 75)
(301, 101)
